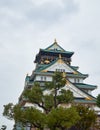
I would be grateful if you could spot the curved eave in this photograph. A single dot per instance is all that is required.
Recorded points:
(90, 96)
(74, 67)
(85, 86)
(53, 53)
(45, 66)
(58, 51)
(67, 75)
(84, 101)
(77, 75)
(44, 73)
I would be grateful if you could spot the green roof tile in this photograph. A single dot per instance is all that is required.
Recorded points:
(84, 101)
(85, 86)
(57, 51)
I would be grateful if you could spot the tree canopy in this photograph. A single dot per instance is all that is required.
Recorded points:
(87, 117)
(51, 107)
(98, 100)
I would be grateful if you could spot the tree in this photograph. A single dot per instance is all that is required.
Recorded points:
(87, 117)
(48, 99)
(98, 100)
(8, 111)
(54, 115)
(3, 127)
(53, 93)
(62, 119)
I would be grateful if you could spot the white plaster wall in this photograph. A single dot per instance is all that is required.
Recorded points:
(58, 65)
(38, 78)
(89, 91)
(73, 80)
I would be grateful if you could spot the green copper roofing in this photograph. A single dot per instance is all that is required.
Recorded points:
(27, 78)
(57, 51)
(57, 48)
(85, 86)
(75, 67)
(78, 74)
(44, 66)
(83, 91)
(84, 101)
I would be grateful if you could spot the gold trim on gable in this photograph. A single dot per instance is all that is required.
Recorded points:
(44, 71)
(88, 98)
(75, 72)
(67, 83)
(60, 56)
(60, 61)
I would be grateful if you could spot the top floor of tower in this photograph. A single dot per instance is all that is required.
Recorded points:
(49, 54)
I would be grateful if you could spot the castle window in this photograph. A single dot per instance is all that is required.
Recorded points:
(76, 80)
(43, 78)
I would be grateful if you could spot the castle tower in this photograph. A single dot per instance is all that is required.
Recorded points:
(55, 58)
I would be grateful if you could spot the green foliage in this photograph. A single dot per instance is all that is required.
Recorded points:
(3, 127)
(34, 95)
(58, 82)
(98, 100)
(62, 118)
(56, 86)
(48, 101)
(88, 117)
(52, 116)
(29, 115)
(65, 96)
(8, 111)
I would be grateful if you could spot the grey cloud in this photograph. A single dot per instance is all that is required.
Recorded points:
(51, 12)
(46, 12)
(27, 25)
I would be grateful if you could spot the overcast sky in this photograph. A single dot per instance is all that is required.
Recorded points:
(28, 25)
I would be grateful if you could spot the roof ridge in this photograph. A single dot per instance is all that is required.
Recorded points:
(82, 90)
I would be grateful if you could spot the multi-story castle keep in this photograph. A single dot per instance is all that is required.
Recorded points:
(55, 58)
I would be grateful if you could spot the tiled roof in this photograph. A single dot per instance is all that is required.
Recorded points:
(56, 47)
(85, 86)
(75, 67)
(84, 101)
(57, 51)
(78, 75)
(45, 66)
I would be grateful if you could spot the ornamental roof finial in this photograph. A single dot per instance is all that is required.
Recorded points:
(55, 41)
(60, 56)
(27, 74)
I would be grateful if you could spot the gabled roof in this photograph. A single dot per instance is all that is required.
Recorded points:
(53, 50)
(57, 51)
(87, 96)
(75, 67)
(72, 72)
(57, 48)
(44, 66)
(78, 100)
(85, 86)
